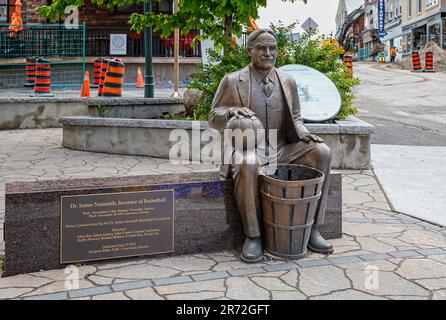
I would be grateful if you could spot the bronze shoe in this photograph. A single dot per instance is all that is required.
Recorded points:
(252, 250)
(318, 244)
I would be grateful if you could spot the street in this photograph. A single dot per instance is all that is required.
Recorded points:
(408, 148)
(407, 108)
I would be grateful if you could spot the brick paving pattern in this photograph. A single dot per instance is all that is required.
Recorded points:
(382, 255)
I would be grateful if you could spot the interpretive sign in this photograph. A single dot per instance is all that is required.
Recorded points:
(319, 98)
(116, 225)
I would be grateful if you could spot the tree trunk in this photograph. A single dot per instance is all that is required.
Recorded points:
(228, 34)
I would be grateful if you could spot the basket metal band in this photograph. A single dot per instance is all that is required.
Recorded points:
(283, 183)
(282, 227)
(290, 201)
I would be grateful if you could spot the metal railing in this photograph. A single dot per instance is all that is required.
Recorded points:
(46, 40)
(57, 41)
(64, 48)
(98, 43)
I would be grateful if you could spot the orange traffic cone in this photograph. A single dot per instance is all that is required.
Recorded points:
(140, 81)
(85, 91)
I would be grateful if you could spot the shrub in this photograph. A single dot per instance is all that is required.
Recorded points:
(307, 51)
(211, 74)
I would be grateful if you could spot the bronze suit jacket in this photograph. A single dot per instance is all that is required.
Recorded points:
(235, 92)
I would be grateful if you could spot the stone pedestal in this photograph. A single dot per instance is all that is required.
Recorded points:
(206, 218)
(332, 228)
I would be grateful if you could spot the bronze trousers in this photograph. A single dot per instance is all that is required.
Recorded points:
(246, 182)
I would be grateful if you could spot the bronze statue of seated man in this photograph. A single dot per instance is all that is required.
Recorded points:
(269, 98)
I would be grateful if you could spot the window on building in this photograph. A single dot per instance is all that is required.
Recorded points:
(126, 9)
(164, 6)
(406, 43)
(4, 11)
(419, 5)
(434, 33)
(444, 33)
(431, 3)
(409, 8)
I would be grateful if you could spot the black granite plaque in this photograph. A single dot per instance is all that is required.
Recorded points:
(116, 225)
(206, 217)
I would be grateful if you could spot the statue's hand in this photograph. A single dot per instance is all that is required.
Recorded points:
(311, 137)
(241, 112)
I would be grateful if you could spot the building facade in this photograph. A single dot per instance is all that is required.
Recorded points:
(423, 21)
(370, 26)
(393, 28)
(102, 24)
(345, 8)
(350, 24)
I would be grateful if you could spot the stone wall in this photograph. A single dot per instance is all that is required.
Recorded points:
(29, 13)
(32, 113)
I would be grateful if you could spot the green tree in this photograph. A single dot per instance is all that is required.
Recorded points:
(307, 51)
(217, 19)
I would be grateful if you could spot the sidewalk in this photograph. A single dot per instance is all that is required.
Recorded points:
(414, 179)
(383, 254)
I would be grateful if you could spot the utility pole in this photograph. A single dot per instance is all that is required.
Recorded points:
(149, 88)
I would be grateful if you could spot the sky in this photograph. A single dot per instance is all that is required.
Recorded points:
(321, 11)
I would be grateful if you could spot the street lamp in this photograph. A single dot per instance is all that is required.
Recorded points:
(149, 88)
(245, 36)
(176, 63)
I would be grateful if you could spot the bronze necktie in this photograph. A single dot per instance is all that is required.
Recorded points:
(267, 87)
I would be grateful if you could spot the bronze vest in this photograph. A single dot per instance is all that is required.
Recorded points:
(270, 110)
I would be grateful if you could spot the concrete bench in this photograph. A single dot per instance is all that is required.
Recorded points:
(349, 139)
(36, 112)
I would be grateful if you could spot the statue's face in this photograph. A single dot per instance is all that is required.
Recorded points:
(264, 52)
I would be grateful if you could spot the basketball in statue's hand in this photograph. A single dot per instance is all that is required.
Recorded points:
(251, 131)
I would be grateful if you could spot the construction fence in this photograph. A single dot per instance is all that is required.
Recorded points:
(63, 48)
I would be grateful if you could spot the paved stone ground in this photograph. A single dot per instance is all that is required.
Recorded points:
(383, 254)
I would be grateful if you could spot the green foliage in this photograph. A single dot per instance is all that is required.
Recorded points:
(208, 79)
(102, 110)
(307, 51)
(2, 259)
(217, 19)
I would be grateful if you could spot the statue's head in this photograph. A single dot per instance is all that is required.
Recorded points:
(262, 48)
